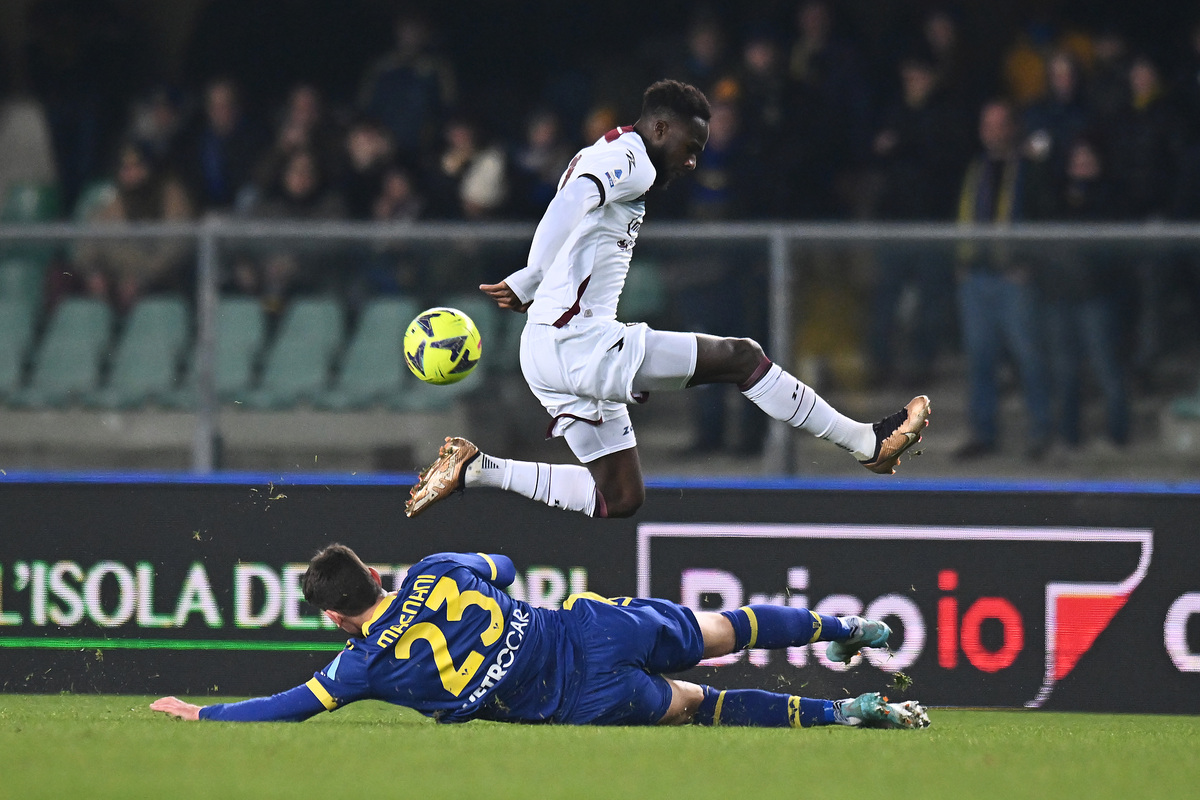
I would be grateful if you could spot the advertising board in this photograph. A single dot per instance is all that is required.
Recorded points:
(1083, 600)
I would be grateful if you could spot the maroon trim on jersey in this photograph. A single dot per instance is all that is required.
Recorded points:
(553, 422)
(756, 375)
(616, 133)
(570, 313)
(570, 168)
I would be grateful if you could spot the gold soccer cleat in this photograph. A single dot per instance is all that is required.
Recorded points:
(443, 477)
(897, 433)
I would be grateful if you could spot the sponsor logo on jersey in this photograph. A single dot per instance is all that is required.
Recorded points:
(505, 657)
(611, 182)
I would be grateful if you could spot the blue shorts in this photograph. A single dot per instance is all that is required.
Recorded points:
(626, 644)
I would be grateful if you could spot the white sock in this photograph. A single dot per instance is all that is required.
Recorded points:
(566, 486)
(785, 398)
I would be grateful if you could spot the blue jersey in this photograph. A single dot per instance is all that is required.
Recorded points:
(453, 645)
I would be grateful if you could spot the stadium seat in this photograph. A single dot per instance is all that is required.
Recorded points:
(241, 330)
(146, 363)
(29, 201)
(23, 280)
(95, 195)
(25, 202)
(16, 333)
(66, 366)
(297, 365)
(373, 370)
(644, 298)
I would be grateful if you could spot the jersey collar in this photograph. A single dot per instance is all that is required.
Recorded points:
(379, 609)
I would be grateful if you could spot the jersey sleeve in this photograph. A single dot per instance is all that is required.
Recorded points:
(342, 681)
(294, 705)
(563, 215)
(620, 174)
(496, 569)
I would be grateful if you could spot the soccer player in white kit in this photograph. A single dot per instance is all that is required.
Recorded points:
(586, 367)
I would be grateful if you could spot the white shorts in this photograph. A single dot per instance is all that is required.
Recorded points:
(588, 372)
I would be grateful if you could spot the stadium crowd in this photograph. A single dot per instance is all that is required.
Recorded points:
(821, 111)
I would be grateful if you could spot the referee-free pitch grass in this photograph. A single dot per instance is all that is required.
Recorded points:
(66, 746)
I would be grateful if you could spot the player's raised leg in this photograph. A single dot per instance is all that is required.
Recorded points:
(877, 446)
(460, 465)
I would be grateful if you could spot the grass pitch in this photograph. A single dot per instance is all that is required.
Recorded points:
(61, 746)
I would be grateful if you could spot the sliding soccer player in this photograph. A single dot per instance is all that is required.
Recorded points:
(453, 645)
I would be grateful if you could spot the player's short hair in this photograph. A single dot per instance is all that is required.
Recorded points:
(677, 98)
(338, 580)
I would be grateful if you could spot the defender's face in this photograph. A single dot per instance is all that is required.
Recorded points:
(677, 147)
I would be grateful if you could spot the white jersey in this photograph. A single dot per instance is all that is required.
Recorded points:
(585, 278)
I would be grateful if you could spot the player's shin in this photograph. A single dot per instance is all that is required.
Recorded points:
(786, 398)
(756, 708)
(565, 486)
(771, 627)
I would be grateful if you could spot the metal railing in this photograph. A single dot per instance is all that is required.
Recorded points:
(783, 241)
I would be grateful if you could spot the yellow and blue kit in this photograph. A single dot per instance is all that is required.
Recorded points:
(453, 645)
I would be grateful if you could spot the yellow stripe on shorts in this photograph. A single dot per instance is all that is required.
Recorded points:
(753, 626)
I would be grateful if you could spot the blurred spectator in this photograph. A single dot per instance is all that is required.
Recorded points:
(1024, 63)
(410, 89)
(222, 150)
(398, 200)
(538, 164)
(832, 68)
(86, 58)
(468, 179)
(368, 153)
(716, 292)
(999, 306)
(1108, 82)
(703, 61)
(718, 189)
(304, 125)
(958, 74)
(301, 193)
(600, 120)
(26, 153)
(1052, 123)
(156, 121)
(392, 268)
(920, 153)
(1148, 140)
(122, 271)
(1082, 286)
(789, 134)
(1148, 147)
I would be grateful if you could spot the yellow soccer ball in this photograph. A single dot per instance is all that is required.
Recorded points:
(442, 346)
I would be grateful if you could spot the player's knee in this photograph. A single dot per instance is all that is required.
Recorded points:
(746, 356)
(624, 501)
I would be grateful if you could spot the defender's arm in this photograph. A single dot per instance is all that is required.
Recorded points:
(294, 705)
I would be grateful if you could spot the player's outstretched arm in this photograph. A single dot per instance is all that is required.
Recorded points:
(294, 705)
(176, 708)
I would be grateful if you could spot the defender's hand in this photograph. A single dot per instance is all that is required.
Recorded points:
(176, 708)
(504, 296)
